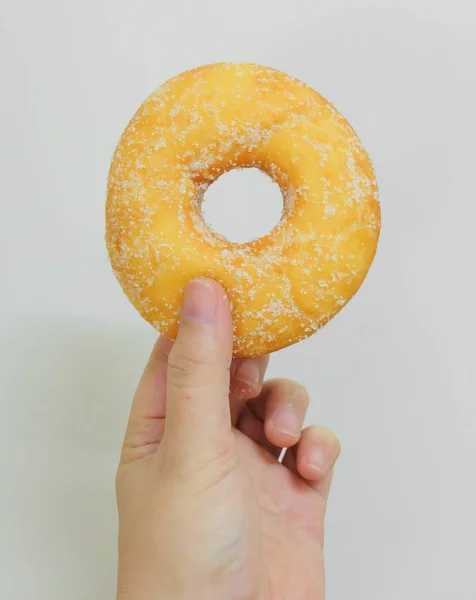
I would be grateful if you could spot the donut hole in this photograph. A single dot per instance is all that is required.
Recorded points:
(243, 205)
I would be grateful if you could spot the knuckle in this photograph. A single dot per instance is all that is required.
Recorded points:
(183, 364)
(189, 355)
(301, 394)
(186, 373)
(293, 390)
(187, 367)
(326, 436)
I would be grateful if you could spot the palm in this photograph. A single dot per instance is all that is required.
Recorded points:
(291, 516)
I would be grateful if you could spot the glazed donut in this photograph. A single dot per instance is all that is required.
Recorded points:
(284, 286)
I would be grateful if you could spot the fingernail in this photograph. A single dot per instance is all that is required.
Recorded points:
(249, 374)
(318, 460)
(287, 421)
(200, 302)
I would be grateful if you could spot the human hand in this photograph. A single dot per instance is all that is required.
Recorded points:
(206, 510)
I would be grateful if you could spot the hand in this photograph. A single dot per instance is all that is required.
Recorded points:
(206, 510)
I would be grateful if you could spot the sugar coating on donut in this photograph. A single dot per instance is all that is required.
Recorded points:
(283, 286)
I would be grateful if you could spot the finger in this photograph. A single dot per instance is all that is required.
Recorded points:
(146, 420)
(282, 405)
(314, 458)
(198, 423)
(247, 376)
(251, 426)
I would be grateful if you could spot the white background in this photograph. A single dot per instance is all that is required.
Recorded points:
(391, 375)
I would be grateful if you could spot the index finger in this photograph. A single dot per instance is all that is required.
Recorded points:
(247, 375)
(145, 425)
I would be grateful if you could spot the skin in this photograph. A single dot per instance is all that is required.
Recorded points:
(206, 509)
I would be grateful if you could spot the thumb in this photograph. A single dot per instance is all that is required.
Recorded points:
(198, 424)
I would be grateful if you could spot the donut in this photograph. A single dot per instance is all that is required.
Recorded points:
(284, 286)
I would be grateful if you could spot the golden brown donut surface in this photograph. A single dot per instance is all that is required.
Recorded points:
(204, 122)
